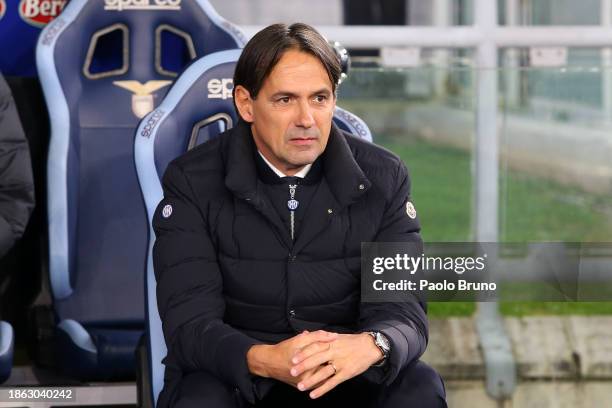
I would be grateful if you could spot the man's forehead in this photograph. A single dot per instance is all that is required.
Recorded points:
(298, 71)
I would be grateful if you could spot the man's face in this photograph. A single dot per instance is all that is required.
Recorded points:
(291, 117)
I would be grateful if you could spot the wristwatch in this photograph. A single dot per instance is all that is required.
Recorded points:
(383, 344)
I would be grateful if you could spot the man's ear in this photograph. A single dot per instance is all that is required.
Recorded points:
(244, 103)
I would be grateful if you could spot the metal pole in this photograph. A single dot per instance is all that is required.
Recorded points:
(368, 37)
(511, 73)
(606, 61)
(441, 18)
(486, 149)
(496, 346)
(569, 36)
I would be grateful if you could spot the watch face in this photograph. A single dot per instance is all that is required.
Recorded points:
(383, 341)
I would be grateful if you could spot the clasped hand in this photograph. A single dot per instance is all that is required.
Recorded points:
(315, 361)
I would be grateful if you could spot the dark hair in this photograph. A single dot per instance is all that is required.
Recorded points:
(265, 49)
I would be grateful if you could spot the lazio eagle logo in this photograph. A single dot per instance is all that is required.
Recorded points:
(142, 94)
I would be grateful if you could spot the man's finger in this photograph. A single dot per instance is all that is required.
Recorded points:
(311, 362)
(327, 386)
(309, 350)
(322, 374)
(320, 335)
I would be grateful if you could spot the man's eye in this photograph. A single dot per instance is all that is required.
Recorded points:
(320, 98)
(283, 100)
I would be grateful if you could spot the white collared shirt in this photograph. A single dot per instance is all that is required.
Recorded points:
(301, 174)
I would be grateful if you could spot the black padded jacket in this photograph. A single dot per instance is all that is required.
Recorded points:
(16, 182)
(229, 276)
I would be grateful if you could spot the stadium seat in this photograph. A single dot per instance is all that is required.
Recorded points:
(103, 65)
(189, 115)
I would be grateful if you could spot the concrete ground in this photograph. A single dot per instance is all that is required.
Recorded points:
(561, 361)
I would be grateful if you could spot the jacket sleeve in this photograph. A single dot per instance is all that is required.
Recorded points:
(16, 183)
(403, 323)
(190, 290)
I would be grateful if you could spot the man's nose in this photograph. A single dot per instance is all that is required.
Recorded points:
(305, 118)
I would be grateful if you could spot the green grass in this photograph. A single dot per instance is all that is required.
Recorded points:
(531, 209)
(541, 210)
(557, 308)
(445, 309)
(441, 189)
(463, 309)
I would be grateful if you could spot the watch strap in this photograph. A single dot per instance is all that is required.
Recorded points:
(385, 352)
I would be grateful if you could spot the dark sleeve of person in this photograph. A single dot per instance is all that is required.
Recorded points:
(403, 323)
(16, 183)
(190, 291)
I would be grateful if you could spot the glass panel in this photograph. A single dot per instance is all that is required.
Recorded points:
(565, 12)
(549, 12)
(440, 12)
(555, 144)
(555, 167)
(544, 96)
(426, 116)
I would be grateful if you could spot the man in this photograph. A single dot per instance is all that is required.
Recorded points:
(257, 256)
(16, 183)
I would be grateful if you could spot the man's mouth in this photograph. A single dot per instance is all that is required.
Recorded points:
(301, 141)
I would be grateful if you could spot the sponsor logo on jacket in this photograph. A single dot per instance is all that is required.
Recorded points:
(220, 88)
(40, 12)
(120, 5)
(2, 8)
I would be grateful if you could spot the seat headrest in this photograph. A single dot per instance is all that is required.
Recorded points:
(137, 39)
(200, 97)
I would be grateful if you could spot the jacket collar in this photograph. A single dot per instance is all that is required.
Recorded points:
(268, 176)
(346, 179)
(240, 169)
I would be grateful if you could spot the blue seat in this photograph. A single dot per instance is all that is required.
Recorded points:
(183, 120)
(7, 340)
(103, 65)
